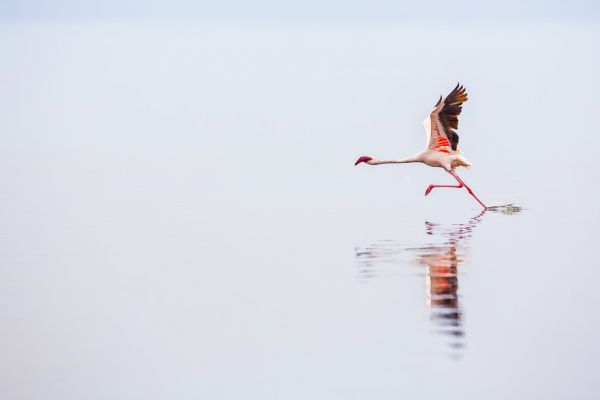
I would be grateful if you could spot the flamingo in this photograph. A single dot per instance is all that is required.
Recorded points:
(442, 141)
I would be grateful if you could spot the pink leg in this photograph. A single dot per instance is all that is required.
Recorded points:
(468, 188)
(446, 186)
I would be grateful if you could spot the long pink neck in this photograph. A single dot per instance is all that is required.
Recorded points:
(410, 159)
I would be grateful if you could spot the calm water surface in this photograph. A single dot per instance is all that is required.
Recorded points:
(180, 216)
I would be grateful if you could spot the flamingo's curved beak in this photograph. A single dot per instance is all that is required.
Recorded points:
(363, 159)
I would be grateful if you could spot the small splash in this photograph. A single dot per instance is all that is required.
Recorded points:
(508, 209)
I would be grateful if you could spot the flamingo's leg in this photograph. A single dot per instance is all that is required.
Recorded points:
(446, 186)
(460, 181)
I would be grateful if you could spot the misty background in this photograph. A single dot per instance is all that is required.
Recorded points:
(180, 214)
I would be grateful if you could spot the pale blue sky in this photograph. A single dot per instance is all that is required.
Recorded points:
(307, 9)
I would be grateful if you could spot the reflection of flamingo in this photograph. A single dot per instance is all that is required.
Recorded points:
(442, 288)
(441, 262)
(442, 141)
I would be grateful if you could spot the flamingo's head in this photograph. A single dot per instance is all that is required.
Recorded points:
(364, 159)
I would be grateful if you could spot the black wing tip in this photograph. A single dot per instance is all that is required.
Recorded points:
(460, 92)
(459, 88)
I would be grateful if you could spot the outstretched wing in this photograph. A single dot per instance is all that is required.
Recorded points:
(443, 120)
